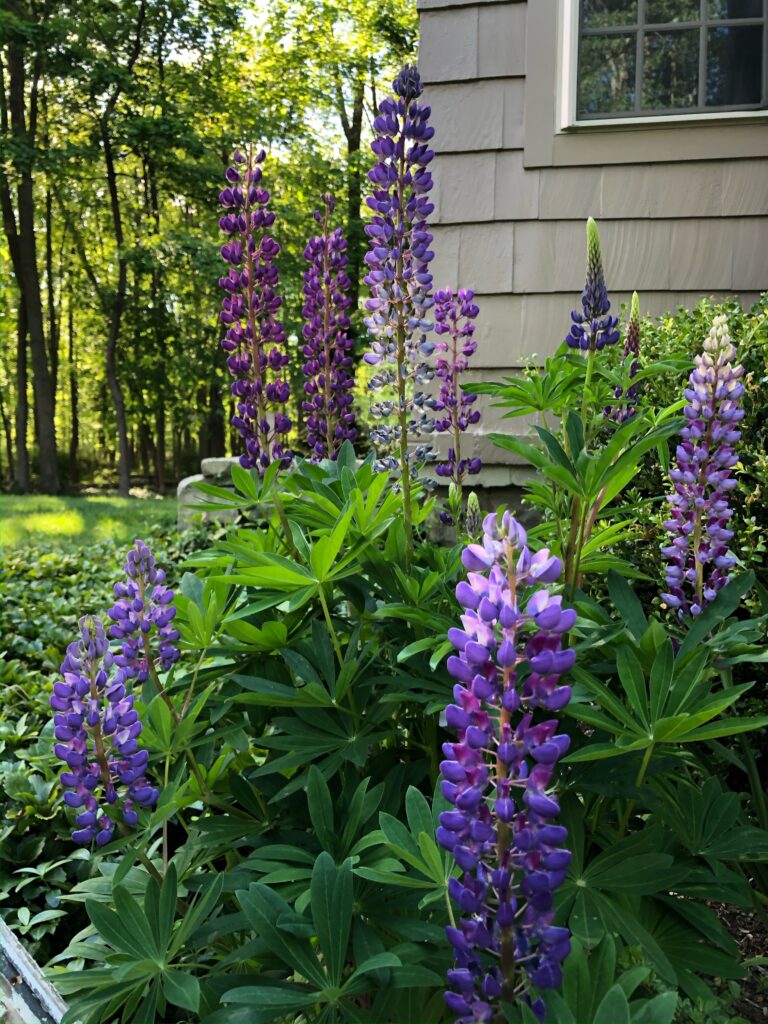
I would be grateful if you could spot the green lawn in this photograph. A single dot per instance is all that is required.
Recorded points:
(76, 522)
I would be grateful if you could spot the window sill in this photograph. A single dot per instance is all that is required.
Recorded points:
(667, 120)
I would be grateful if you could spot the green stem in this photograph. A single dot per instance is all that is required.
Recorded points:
(288, 536)
(570, 550)
(753, 773)
(579, 545)
(329, 623)
(451, 918)
(405, 472)
(586, 396)
(638, 783)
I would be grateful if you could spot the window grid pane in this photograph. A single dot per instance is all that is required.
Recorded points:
(680, 66)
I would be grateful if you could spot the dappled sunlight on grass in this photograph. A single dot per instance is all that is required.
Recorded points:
(67, 523)
(76, 522)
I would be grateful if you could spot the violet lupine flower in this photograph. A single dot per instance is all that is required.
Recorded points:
(698, 560)
(628, 408)
(255, 338)
(143, 616)
(454, 316)
(398, 269)
(498, 775)
(593, 328)
(96, 730)
(328, 346)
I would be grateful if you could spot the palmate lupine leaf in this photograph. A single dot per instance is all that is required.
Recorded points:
(141, 948)
(324, 968)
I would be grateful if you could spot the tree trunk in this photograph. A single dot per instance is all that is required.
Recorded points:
(160, 448)
(53, 325)
(22, 403)
(8, 433)
(22, 241)
(74, 395)
(116, 315)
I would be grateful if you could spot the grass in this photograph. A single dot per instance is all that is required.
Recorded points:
(76, 522)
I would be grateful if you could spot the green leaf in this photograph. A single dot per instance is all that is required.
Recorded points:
(320, 806)
(375, 963)
(418, 812)
(182, 989)
(627, 604)
(613, 1009)
(659, 1010)
(280, 1000)
(331, 902)
(661, 679)
(263, 908)
(633, 680)
(726, 602)
(112, 929)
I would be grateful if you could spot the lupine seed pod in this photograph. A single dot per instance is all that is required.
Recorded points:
(510, 657)
(698, 559)
(628, 408)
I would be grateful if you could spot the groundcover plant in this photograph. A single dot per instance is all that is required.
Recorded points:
(344, 772)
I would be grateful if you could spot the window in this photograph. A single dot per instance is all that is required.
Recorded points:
(641, 58)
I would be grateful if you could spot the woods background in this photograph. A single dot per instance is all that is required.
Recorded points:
(117, 120)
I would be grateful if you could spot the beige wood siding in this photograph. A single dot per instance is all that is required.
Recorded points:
(683, 212)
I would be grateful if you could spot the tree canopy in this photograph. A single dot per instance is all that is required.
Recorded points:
(117, 119)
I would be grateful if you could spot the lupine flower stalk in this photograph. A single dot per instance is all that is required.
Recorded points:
(498, 775)
(96, 729)
(255, 338)
(327, 344)
(143, 616)
(398, 274)
(628, 408)
(698, 559)
(593, 327)
(454, 317)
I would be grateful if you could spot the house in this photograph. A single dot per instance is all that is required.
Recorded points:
(650, 115)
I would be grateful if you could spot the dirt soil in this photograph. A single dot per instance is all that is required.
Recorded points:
(752, 939)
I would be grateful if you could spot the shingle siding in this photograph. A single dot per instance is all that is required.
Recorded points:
(678, 219)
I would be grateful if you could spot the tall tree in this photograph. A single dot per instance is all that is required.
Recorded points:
(21, 70)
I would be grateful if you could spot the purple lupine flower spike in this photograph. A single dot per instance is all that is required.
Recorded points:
(97, 729)
(454, 316)
(143, 617)
(327, 345)
(628, 408)
(510, 657)
(593, 328)
(398, 271)
(698, 559)
(255, 338)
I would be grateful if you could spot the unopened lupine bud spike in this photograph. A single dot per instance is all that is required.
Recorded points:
(697, 553)
(628, 407)
(593, 328)
(498, 775)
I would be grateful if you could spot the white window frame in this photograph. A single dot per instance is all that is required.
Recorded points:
(566, 93)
